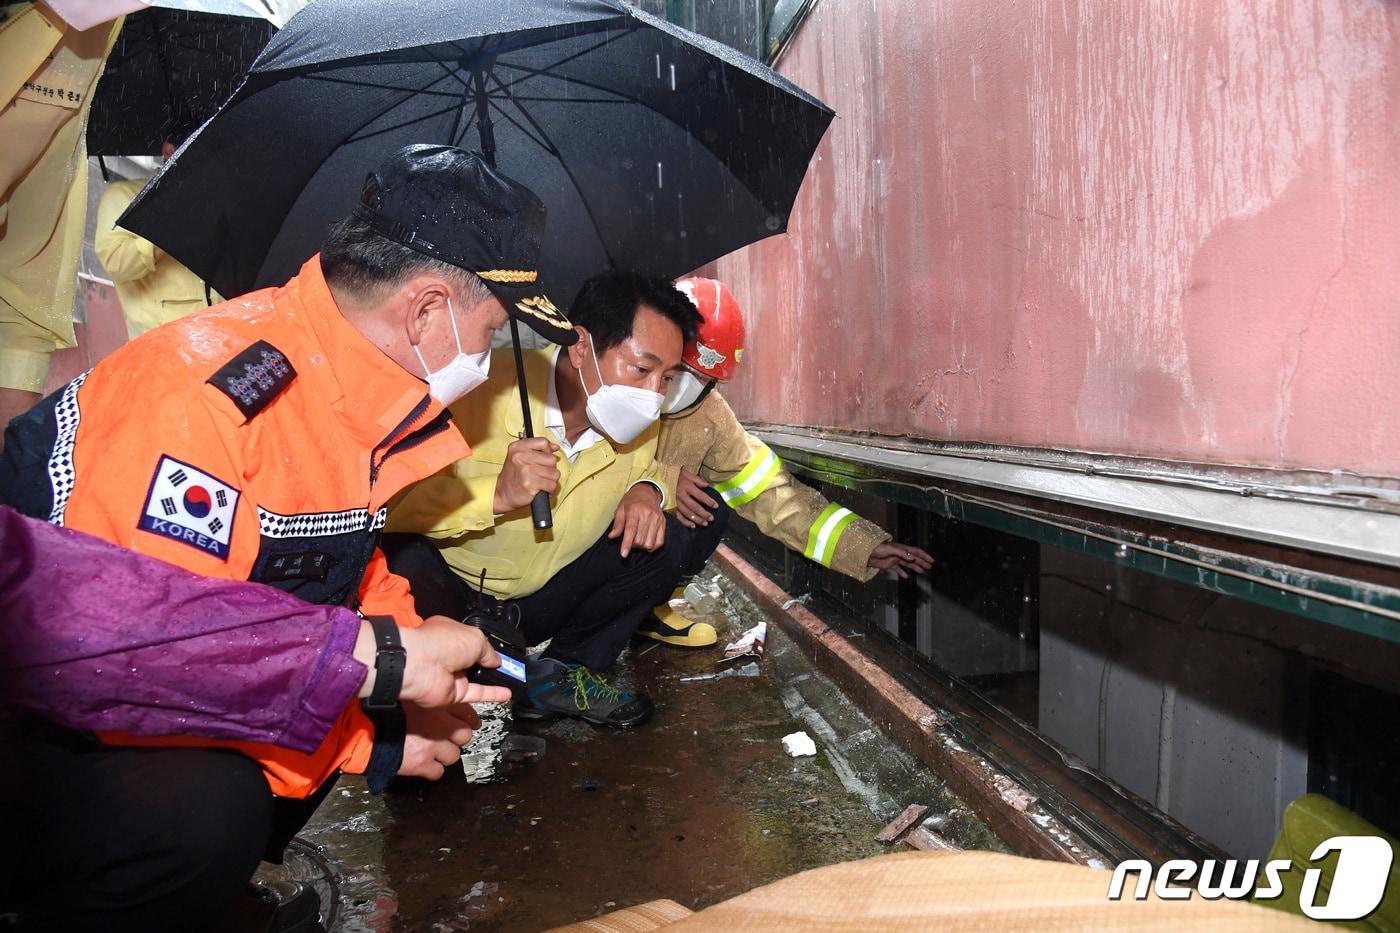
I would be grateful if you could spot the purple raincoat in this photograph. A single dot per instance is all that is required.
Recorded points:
(93, 636)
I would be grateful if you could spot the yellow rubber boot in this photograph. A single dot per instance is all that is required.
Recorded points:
(669, 627)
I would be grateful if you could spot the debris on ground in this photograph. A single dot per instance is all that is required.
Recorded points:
(1014, 793)
(748, 670)
(704, 595)
(925, 840)
(799, 744)
(748, 644)
(518, 748)
(897, 826)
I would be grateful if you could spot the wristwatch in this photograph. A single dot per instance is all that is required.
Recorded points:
(389, 658)
(382, 705)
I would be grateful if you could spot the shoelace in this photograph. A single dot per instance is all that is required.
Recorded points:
(588, 685)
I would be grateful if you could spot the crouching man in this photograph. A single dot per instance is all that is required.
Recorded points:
(716, 467)
(262, 441)
(588, 582)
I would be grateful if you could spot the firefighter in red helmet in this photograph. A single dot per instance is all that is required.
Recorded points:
(716, 466)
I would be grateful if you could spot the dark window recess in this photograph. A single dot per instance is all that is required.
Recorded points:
(1354, 757)
(1214, 710)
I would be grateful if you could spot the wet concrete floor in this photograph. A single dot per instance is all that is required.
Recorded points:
(698, 805)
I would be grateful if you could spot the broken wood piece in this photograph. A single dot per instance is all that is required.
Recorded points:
(927, 841)
(1014, 794)
(911, 815)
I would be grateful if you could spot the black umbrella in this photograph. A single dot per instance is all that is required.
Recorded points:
(652, 147)
(172, 66)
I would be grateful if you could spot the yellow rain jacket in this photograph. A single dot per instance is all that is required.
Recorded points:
(47, 75)
(152, 289)
(709, 441)
(456, 505)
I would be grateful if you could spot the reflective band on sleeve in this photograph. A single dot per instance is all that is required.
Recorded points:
(748, 483)
(825, 532)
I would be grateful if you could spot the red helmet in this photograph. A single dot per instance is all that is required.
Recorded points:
(719, 346)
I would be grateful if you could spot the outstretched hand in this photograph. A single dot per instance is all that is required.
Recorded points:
(903, 559)
(437, 655)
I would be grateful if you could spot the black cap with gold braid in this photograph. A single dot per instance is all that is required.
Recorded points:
(449, 204)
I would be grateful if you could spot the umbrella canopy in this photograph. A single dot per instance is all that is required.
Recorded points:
(172, 66)
(652, 148)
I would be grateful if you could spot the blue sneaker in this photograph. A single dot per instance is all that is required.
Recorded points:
(557, 689)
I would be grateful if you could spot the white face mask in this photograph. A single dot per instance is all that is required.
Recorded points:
(620, 412)
(463, 372)
(685, 391)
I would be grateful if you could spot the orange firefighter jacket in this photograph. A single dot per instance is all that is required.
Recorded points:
(257, 440)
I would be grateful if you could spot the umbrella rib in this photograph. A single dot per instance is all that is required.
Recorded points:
(627, 31)
(355, 138)
(350, 82)
(626, 98)
(553, 150)
(381, 113)
(540, 73)
(543, 144)
(568, 100)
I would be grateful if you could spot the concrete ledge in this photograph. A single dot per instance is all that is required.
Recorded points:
(1359, 523)
(1010, 810)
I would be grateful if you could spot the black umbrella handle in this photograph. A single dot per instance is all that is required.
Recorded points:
(539, 506)
(540, 512)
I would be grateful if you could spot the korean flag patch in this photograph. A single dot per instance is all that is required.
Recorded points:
(190, 506)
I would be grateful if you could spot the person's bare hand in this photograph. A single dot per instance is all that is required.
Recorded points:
(437, 655)
(903, 559)
(529, 468)
(693, 506)
(639, 520)
(434, 738)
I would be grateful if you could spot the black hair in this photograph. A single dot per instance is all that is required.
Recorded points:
(356, 258)
(608, 302)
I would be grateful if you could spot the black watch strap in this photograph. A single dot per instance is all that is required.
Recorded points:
(386, 754)
(389, 658)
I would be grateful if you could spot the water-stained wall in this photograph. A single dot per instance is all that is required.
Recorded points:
(1166, 229)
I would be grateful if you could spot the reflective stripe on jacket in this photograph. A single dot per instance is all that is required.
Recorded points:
(260, 439)
(709, 441)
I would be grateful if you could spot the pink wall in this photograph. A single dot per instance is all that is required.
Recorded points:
(1155, 228)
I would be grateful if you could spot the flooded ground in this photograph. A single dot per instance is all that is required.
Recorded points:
(700, 804)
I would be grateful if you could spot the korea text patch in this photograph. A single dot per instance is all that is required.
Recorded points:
(189, 505)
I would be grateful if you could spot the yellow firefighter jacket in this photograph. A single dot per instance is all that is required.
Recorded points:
(709, 441)
(455, 506)
(152, 289)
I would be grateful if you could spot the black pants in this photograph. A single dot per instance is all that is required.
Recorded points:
(699, 543)
(106, 838)
(589, 608)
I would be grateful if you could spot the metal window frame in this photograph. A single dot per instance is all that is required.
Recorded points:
(982, 488)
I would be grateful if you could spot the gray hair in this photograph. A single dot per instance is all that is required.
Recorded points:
(356, 258)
